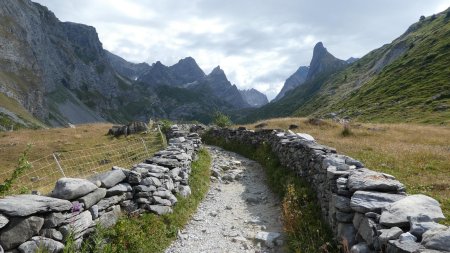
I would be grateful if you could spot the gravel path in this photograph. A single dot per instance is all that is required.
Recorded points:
(239, 213)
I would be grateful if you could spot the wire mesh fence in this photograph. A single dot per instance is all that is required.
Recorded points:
(83, 163)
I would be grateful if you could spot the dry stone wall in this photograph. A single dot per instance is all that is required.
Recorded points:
(370, 211)
(76, 206)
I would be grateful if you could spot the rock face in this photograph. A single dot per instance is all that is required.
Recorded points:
(254, 98)
(25, 205)
(295, 80)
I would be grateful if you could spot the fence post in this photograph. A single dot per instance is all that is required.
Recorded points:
(59, 165)
(145, 146)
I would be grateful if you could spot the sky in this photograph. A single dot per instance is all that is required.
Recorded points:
(258, 43)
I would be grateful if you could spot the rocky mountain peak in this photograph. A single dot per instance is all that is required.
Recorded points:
(322, 61)
(217, 71)
(188, 70)
(295, 80)
(254, 98)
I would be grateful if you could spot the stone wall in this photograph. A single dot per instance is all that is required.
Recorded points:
(76, 206)
(368, 210)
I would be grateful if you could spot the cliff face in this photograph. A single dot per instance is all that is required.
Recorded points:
(295, 80)
(48, 66)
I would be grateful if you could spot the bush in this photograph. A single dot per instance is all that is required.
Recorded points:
(222, 120)
(346, 131)
(165, 125)
(22, 166)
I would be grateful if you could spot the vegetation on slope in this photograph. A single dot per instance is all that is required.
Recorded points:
(417, 155)
(302, 223)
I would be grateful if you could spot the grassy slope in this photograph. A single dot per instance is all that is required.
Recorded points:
(418, 155)
(413, 88)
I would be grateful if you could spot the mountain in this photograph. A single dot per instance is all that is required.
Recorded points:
(295, 80)
(406, 80)
(127, 69)
(323, 64)
(54, 73)
(254, 98)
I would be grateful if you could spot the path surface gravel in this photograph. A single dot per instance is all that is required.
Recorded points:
(239, 213)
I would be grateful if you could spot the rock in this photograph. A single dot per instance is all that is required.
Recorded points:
(184, 190)
(161, 201)
(54, 220)
(149, 181)
(19, 230)
(305, 136)
(72, 188)
(365, 201)
(28, 247)
(110, 201)
(152, 168)
(367, 180)
(253, 200)
(368, 231)
(407, 237)
(342, 203)
(49, 245)
(110, 218)
(134, 177)
(268, 238)
(160, 210)
(344, 217)
(110, 178)
(51, 233)
(94, 211)
(78, 225)
(360, 248)
(397, 246)
(144, 188)
(421, 224)
(25, 205)
(396, 214)
(389, 234)
(92, 198)
(437, 239)
(3, 221)
(119, 189)
(346, 232)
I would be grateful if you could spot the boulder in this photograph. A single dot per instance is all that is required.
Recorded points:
(51, 233)
(368, 231)
(268, 238)
(149, 181)
(342, 203)
(144, 188)
(110, 201)
(397, 246)
(92, 198)
(361, 248)
(26, 205)
(53, 220)
(110, 178)
(19, 230)
(3, 221)
(110, 218)
(72, 188)
(184, 190)
(134, 177)
(78, 225)
(367, 180)
(397, 213)
(365, 201)
(437, 239)
(421, 224)
(28, 247)
(152, 168)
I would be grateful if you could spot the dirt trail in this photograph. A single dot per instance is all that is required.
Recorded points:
(239, 213)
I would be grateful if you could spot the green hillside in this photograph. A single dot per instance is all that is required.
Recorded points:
(407, 80)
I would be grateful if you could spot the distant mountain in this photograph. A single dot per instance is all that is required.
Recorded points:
(127, 69)
(187, 70)
(254, 98)
(295, 80)
(351, 60)
(323, 64)
(406, 80)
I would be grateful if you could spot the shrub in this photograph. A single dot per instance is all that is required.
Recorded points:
(346, 131)
(165, 125)
(222, 120)
(22, 166)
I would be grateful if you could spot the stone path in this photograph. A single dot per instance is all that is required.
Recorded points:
(239, 213)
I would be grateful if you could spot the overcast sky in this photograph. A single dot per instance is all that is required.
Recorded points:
(258, 43)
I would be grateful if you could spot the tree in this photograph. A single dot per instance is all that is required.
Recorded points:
(422, 18)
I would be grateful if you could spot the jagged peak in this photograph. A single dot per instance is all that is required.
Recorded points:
(217, 71)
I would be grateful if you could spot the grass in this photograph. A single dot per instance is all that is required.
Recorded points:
(153, 233)
(15, 107)
(81, 151)
(417, 155)
(305, 230)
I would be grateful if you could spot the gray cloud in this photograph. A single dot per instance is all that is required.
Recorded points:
(259, 43)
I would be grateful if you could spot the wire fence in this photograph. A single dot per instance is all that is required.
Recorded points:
(83, 163)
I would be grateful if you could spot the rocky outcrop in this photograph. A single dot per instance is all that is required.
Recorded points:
(29, 223)
(368, 210)
(127, 69)
(323, 62)
(295, 80)
(254, 98)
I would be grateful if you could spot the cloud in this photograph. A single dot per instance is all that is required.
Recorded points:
(259, 43)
